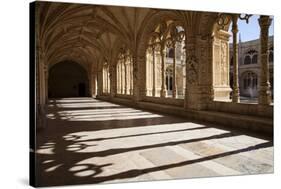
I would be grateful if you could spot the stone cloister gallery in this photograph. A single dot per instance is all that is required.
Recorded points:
(136, 94)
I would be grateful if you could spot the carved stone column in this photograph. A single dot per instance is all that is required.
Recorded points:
(264, 91)
(235, 93)
(220, 65)
(46, 70)
(42, 76)
(90, 78)
(163, 85)
(117, 77)
(107, 81)
(174, 72)
(100, 80)
(136, 83)
(192, 93)
(148, 75)
(125, 71)
(153, 72)
(113, 80)
(94, 78)
(90, 89)
(121, 77)
(103, 80)
(42, 92)
(131, 75)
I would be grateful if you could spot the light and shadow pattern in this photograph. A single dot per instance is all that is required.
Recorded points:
(92, 141)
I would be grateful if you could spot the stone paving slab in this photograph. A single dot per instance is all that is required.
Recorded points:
(164, 156)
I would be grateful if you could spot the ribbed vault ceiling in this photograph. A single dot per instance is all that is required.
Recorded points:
(87, 33)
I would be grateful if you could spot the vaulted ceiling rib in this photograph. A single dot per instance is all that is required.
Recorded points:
(94, 30)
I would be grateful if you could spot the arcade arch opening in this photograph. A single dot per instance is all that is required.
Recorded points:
(68, 79)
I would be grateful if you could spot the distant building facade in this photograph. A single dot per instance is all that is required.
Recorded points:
(249, 66)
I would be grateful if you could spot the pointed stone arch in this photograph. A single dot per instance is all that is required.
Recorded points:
(68, 79)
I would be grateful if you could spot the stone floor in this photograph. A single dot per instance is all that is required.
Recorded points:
(91, 141)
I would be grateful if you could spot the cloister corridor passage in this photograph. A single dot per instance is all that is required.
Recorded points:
(92, 141)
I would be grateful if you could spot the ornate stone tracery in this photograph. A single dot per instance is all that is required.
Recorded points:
(106, 78)
(125, 70)
(167, 36)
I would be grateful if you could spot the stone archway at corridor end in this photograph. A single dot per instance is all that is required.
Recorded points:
(68, 79)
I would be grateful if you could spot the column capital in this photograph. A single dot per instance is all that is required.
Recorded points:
(264, 21)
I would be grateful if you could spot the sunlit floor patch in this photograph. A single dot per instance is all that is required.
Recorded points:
(53, 168)
(48, 161)
(91, 141)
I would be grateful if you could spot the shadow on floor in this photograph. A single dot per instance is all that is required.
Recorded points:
(57, 167)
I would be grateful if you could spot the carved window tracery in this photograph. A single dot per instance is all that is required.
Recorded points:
(251, 57)
(106, 78)
(169, 79)
(250, 80)
(124, 70)
(166, 43)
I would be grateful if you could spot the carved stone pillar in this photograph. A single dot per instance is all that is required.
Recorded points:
(108, 80)
(90, 77)
(264, 91)
(100, 80)
(131, 76)
(153, 72)
(125, 70)
(46, 70)
(113, 80)
(121, 76)
(117, 77)
(235, 93)
(149, 75)
(42, 85)
(192, 91)
(163, 85)
(220, 65)
(42, 77)
(94, 79)
(136, 91)
(206, 78)
(174, 73)
(103, 81)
